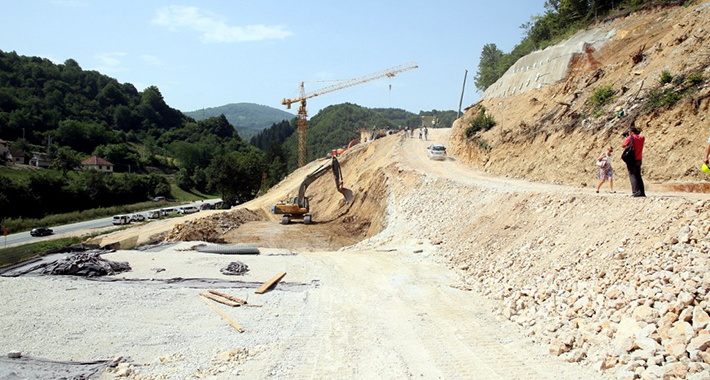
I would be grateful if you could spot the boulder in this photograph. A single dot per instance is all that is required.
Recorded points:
(644, 313)
(700, 318)
(700, 343)
(675, 370)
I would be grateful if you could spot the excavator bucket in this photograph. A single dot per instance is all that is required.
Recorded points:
(347, 193)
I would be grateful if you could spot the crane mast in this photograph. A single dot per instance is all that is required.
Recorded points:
(302, 118)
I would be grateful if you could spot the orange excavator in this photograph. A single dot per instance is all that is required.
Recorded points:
(299, 207)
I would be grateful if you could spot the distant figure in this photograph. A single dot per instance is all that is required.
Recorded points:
(426, 134)
(605, 170)
(707, 152)
(635, 168)
(420, 133)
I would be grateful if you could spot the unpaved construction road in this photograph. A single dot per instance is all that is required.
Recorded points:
(385, 308)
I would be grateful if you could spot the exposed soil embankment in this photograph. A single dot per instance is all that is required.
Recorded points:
(555, 134)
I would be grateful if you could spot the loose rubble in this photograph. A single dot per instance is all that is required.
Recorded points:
(235, 268)
(213, 228)
(86, 264)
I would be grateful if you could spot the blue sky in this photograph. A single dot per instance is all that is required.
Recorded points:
(210, 53)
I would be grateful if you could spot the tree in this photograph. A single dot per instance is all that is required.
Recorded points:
(489, 67)
(236, 176)
(66, 159)
(183, 180)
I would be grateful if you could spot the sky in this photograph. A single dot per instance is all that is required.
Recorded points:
(210, 53)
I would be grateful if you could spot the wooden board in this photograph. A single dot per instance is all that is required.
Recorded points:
(219, 299)
(223, 315)
(270, 283)
(227, 296)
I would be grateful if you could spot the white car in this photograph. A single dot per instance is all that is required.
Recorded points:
(119, 220)
(188, 210)
(137, 218)
(436, 152)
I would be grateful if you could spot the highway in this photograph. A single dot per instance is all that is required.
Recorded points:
(74, 229)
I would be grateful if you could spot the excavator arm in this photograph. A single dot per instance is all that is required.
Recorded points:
(300, 205)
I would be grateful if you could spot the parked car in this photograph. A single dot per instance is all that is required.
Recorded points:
(207, 206)
(137, 218)
(41, 231)
(155, 214)
(167, 211)
(121, 219)
(159, 199)
(188, 210)
(436, 152)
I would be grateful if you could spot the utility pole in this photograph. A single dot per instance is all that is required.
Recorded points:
(462, 89)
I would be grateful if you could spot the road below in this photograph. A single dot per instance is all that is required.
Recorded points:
(73, 229)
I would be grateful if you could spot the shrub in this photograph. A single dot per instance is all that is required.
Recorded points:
(662, 98)
(695, 79)
(481, 122)
(665, 77)
(602, 95)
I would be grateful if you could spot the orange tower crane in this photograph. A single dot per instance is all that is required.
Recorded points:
(302, 121)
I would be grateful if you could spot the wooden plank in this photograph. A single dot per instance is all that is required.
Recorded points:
(220, 299)
(270, 283)
(227, 296)
(222, 314)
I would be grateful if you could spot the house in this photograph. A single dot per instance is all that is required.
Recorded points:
(16, 156)
(40, 160)
(97, 163)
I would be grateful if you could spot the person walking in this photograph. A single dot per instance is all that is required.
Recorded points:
(426, 134)
(634, 167)
(605, 170)
(420, 133)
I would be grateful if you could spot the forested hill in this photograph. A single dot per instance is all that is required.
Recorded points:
(69, 114)
(92, 113)
(248, 118)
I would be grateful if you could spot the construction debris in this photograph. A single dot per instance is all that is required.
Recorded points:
(220, 299)
(270, 283)
(223, 315)
(87, 264)
(235, 268)
(228, 249)
(227, 296)
(212, 228)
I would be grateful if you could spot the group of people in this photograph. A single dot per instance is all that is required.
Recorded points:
(409, 131)
(606, 172)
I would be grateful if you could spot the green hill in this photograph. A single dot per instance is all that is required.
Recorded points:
(248, 118)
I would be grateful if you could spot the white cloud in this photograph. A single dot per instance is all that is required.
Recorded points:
(110, 62)
(213, 28)
(152, 60)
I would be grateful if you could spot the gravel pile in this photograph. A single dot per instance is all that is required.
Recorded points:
(608, 281)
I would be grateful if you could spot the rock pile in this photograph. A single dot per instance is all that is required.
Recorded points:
(212, 228)
(602, 281)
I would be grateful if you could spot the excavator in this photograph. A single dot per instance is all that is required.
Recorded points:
(299, 208)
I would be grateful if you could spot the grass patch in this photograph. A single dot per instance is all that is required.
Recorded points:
(187, 196)
(13, 255)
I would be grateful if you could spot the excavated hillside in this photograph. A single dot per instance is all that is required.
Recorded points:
(554, 134)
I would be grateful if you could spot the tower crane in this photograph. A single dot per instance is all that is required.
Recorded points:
(302, 118)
